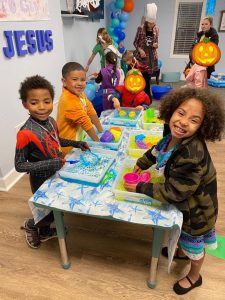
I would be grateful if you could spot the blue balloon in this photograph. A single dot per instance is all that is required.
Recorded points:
(121, 36)
(110, 30)
(159, 63)
(112, 7)
(91, 86)
(119, 4)
(115, 38)
(115, 22)
(90, 94)
(121, 50)
(123, 25)
(124, 16)
(117, 31)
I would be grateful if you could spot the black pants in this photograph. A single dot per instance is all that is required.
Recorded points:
(147, 90)
(35, 183)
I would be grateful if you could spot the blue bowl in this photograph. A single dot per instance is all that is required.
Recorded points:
(158, 91)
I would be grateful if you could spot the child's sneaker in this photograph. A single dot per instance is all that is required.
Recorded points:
(31, 233)
(48, 234)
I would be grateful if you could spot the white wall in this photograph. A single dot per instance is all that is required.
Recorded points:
(15, 70)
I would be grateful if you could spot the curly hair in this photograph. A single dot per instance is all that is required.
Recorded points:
(33, 83)
(213, 124)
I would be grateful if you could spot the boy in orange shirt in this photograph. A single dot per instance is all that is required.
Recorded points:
(75, 111)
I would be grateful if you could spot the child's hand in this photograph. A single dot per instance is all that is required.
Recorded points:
(130, 187)
(139, 107)
(82, 145)
(142, 53)
(116, 103)
(62, 162)
(137, 169)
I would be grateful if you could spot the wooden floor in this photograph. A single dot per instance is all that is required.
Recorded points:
(110, 260)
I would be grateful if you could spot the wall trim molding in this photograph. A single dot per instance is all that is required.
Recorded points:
(8, 181)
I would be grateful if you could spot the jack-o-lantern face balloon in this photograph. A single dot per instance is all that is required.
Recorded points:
(134, 81)
(206, 53)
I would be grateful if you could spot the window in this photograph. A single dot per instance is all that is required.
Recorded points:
(188, 14)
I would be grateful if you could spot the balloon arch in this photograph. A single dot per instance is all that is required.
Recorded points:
(119, 13)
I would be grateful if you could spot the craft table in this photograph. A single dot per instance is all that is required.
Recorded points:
(66, 197)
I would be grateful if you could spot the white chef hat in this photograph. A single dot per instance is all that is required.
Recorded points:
(151, 12)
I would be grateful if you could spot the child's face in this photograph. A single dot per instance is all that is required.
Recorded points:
(75, 82)
(128, 61)
(39, 103)
(187, 119)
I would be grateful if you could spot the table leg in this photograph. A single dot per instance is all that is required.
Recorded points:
(59, 222)
(158, 234)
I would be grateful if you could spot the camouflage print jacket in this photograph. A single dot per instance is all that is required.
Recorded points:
(190, 185)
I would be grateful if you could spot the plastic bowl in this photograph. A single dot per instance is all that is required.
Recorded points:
(145, 177)
(131, 178)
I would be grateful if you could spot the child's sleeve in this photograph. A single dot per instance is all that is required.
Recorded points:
(147, 160)
(76, 114)
(182, 181)
(142, 99)
(23, 155)
(200, 78)
(90, 108)
(98, 79)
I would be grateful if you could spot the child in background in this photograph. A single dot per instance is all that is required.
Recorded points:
(197, 77)
(109, 76)
(98, 48)
(133, 63)
(75, 112)
(130, 96)
(108, 46)
(38, 149)
(193, 115)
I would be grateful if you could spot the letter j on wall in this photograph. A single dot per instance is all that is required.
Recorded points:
(22, 42)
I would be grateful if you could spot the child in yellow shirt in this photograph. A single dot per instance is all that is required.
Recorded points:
(75, 111)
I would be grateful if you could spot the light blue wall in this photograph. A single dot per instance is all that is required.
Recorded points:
(80, 38)
(14, 70)
(165, 19)
(80, 34)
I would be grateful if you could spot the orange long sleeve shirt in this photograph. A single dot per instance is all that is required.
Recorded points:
(73, 115)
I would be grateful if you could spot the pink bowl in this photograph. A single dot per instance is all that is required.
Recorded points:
(131, 178)
(145, 177)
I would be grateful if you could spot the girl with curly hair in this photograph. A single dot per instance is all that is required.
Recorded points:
(194, 116)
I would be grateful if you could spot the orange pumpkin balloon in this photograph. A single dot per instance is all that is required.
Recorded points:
(128, 6)
(206, 53)
(134, 81)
